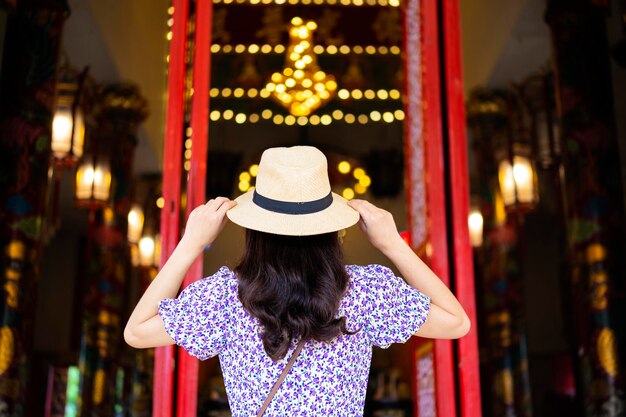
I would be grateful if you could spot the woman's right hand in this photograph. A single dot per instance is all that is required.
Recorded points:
(377, 224)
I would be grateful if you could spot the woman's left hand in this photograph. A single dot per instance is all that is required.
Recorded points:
(206, 222)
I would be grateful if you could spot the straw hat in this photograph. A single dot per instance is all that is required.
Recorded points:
(292, 196)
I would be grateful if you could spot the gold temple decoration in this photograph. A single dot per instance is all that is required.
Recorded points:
(302, 87)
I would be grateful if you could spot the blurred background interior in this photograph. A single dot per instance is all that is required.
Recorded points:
(505, 173)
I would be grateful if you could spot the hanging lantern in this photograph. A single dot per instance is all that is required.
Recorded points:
(517, 178)
(68, 124)
(93, 182)
(475, 223)
(135, 223)
(150, 250)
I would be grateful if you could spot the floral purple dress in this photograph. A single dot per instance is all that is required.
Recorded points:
(327, 379)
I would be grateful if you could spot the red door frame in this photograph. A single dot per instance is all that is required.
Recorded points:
(162, 401)
(432, 114)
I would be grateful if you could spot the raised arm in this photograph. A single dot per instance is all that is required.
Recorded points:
(145, 327)
(447, 318)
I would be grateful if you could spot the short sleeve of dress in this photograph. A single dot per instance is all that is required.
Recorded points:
(395, 309)
(198, 319)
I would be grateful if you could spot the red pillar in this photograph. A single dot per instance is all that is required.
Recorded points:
(170, 215)
(196, 185)
(469, 381)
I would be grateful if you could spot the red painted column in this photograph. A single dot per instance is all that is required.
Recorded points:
(170, 216)
(424, 151)
(196, 185)
(469, 381)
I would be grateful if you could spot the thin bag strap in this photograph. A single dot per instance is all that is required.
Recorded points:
(281, 378)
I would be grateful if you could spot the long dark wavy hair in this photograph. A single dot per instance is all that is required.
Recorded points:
(293, 285)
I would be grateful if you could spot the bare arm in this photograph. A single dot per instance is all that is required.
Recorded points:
(145, 328)
(447, 318)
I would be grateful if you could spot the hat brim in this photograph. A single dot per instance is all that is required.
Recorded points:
(339, 215)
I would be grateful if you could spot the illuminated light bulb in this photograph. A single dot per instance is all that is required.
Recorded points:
(253, 92)
(326, 120)
(215, 115)
(343, 94)
(398, 114)
(365, 181)
(382, 94)
(253, 49)
(298, 74)
(357, 49)
(324, 94)
(227, 49)
(288, 72)
(214, 92)
(394, 3)
(278, 119)
(187, 165)
(331, 85)
(215, 48)
(360, 189)
(243, 186)
(244, 176)
(167, 58)
(318, 49)
(264, 93)
(318, 2)
(188, 154)
(349, 118)
(311, 25)
(271, 86)
(348, 193)
(383, 50)
(160, 202)
(362, 119)
(331, 49)
(331, 2)
(290, 82)
(357, 2)
(305, 44)
(226, 92)
(169, 35)
(345, 2)
(306, 2)
(382, 2)
(370, 49)
(358, 173)
(302, 120)
(238, 92)
(279, 49)
(344, 49)
(290, 120)
(266, 114)
(314, 120)
(228, 114)
(307, 83)
(266, 49)
(276, 1)
(294, 56)
(240, 48)
(188, 143)
(337, 114)
(296, 21)
(395, 50)
(255, 1)
(394, 94)
(276, 77)
(240, 118)
(357, 94)
(254, 170)
(299, 64)
(344, 167)
(369, 94)
(280, 88)
(307, 59)
(303, 33)
(170, 10)
(135, 223)
(146, 251)
(388, 117)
